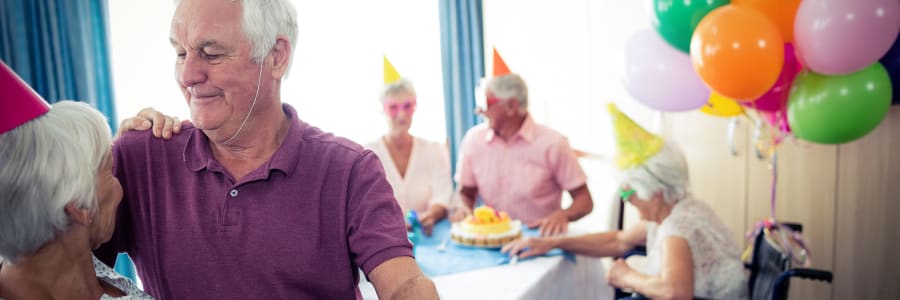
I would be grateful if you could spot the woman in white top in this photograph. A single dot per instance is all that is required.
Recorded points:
(418, 169)
(691, 252)
(59, 202)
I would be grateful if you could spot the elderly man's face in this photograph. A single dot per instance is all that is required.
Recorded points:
(497, 110)
(213, 65)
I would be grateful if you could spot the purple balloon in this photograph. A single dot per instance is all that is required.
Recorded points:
(891, 62)
(777, 96)
(660, 76)
(836, 37)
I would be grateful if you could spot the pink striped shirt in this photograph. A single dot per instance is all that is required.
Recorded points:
(524, 176)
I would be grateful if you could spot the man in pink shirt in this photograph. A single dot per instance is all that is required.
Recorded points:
(517, 165)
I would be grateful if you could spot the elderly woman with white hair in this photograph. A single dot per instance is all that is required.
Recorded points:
(58, 201)
(417, 169)
(690, 250)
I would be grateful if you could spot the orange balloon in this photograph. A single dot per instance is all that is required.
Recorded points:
(781, 12)
(738, 52)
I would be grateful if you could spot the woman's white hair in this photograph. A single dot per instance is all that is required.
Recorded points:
(400, 86)
(508, 86)
(45, 164)
(665, 172)
(263, 20)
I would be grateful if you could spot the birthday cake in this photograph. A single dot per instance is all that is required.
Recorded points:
(486, 228)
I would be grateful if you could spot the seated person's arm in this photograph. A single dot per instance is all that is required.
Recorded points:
(466, 202)
(400, 278)
(675, 280)
(606, 244)
(441, 190)
(558, 222)
(435, 213)
(612, 243)
(582, 203)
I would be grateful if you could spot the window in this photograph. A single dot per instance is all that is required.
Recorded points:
(337, 70)
(570, 53)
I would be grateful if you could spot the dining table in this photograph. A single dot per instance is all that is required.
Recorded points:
(464, 272)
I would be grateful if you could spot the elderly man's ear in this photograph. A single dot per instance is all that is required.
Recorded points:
(281, 54)
(78, 215)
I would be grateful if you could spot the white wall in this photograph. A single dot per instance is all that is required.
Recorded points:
(570, 53)
(337, 71)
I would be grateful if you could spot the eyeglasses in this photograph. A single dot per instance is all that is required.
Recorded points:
(393, 108)
(483, 101)
(625, 194)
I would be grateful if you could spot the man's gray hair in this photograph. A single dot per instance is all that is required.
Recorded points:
(262, 21)
(400, 86)
(508, 86)
(665, 172)
(45, 164)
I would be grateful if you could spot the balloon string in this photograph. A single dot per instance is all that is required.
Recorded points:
(774, 182)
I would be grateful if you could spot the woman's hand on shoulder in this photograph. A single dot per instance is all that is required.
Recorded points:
(163, 126)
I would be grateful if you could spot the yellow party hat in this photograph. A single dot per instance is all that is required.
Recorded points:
(634, 144)
(390, 74)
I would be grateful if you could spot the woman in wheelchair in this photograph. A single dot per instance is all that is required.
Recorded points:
(690, 251)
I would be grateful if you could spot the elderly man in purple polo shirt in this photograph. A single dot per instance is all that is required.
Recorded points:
(250, 202)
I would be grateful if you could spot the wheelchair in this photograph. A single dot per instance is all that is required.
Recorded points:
(770, 267)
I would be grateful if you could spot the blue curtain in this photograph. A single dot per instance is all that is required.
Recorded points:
(60, 48)
(462, 58)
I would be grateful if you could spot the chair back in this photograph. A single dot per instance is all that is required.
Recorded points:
(767, 265)
(775, 248)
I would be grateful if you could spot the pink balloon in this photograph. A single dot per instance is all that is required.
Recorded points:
(661, 77)
(777, 96)
(836, 37)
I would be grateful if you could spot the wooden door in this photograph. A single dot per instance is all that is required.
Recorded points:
(866, 265)
(805, 194)
(717, 175)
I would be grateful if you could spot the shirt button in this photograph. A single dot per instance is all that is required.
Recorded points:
(233, 193)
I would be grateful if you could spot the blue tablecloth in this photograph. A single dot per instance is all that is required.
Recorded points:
(457, 258)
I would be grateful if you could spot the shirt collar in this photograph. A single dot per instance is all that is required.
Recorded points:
(198, 155)
(526, 131)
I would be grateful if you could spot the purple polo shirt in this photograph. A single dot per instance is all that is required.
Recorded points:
(296, 228)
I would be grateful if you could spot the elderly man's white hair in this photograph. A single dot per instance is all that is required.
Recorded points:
(263, 20)
(508, 86)
(400, 86)
(44, 165)
(665, 172)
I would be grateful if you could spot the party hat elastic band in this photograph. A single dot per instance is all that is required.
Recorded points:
(18, 101)
(500, 67)
(634, 144)
(390, 74)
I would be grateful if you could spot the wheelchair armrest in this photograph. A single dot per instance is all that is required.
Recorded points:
(779, 291)
(638, 250)
(636, 296)
(813, 274)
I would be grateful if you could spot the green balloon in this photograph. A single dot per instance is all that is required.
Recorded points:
(676, 20)
(838, 109)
